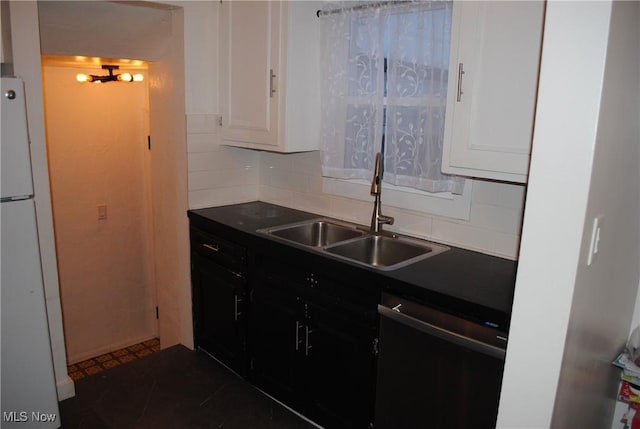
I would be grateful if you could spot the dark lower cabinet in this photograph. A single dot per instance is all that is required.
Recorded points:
(299, 327)
(219, 297)
(309, 350)
(339, 369)
(275, 331)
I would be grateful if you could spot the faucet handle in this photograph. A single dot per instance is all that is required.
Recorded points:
(388, 220)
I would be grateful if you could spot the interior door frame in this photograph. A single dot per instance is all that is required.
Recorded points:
(169, 190)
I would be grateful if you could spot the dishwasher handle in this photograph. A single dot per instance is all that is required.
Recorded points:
(443, 334)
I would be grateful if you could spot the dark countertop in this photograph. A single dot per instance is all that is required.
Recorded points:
(473, 285)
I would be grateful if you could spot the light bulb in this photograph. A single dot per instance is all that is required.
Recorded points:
(138, 77)
(126, 77)
(81, 77)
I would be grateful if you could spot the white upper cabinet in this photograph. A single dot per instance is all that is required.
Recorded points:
(493, 81)
(270, 75)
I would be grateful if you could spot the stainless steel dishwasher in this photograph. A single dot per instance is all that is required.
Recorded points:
(436, 370)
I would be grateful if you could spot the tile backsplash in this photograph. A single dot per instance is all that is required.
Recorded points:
(494, 224)
(220, 175)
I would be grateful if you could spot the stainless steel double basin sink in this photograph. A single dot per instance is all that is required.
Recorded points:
(351, 242)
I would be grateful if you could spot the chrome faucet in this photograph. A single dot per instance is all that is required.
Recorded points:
(378, 219)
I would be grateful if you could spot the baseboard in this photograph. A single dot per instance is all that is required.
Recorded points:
(66, 389)
(108, 348)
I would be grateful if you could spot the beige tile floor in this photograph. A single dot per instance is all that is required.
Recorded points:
(115, 358)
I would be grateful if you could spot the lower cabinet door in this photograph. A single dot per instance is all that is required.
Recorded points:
(306, 349)
(340, 368)
(275, 329)
(219, 308)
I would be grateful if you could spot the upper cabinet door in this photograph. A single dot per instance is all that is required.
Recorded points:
(493, 81)
(270, 75)
(249, 71)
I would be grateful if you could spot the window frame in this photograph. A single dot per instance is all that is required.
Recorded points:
(443, 204)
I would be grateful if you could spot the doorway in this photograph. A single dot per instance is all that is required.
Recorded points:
(101, 197)
(153, 33)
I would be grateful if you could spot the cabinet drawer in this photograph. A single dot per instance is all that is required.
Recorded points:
(362, 313)
(342, 292)
(225, 253)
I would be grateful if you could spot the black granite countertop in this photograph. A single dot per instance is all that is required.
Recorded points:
(471, 284)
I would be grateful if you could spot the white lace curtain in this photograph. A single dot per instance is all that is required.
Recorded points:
(385, 70)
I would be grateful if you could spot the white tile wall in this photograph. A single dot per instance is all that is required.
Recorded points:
(294, 180)
(218, 175)
(221, 175)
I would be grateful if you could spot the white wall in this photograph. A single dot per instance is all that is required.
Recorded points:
(217, 175)
(168, 166)
(569, 319)
(132, 30)
(605, 292)
(96, 136)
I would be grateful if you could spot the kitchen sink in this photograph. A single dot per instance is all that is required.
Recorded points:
(316, 233)
(386, 252)
(351, 242)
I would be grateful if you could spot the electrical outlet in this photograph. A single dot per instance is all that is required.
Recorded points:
(102, 212)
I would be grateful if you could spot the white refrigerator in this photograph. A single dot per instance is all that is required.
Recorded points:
(29, 397)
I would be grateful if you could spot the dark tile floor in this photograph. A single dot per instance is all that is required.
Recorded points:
(174, 388)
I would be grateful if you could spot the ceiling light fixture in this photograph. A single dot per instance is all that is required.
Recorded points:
(111, 77)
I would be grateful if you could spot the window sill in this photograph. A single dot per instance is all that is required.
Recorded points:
(441, 204)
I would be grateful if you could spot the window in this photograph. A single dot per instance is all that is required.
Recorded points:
(385, 75)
